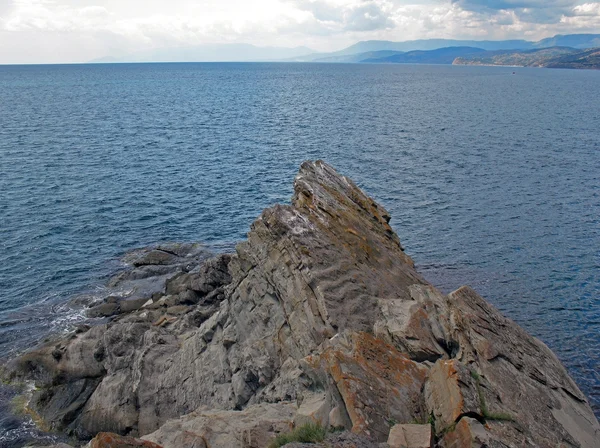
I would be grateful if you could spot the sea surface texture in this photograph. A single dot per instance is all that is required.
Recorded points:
(492, 179)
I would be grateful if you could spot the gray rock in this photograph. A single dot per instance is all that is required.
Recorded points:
(57, 445)
(254, 427)
(525, 394)
(165, 254)
(343, 439)
(105, 309)
(410, 436)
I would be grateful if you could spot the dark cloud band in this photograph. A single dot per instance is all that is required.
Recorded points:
(533, 11)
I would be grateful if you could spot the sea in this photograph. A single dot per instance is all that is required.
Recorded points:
(491, 175)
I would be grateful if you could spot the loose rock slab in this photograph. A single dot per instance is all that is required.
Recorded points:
(411, 436)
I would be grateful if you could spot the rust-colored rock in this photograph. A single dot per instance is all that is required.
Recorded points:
(467, 433)
(378, 385)
(450, 393)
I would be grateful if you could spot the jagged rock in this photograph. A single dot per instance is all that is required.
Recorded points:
(150, 269)
(104, 310)
(525, 394)
(321, 308)
(110, 440)
(411, 436)
(155, 257)
(87, 381)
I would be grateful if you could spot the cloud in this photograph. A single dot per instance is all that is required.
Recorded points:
(43, 15)
(587, 10)
(368, 17)
(514, 4)
(321, 10)
(348, 16)
(584, 17)
(5, 5)
(531, 11)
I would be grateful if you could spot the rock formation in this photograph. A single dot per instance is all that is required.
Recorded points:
(318, 317)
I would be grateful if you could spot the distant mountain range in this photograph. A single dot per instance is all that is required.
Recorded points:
(445, 55)
(552, 52)
(425, 51)
(362, 51)
(553, 57)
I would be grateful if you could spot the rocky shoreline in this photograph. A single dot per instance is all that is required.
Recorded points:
(318, 318)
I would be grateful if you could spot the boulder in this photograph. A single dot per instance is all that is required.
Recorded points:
(315, 409)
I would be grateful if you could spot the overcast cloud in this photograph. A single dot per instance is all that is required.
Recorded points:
(81, 30)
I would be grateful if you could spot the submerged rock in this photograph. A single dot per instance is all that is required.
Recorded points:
(319, 317)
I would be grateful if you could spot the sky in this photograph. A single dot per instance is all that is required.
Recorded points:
(48, 31)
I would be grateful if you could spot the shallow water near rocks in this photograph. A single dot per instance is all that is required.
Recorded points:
(492, 179)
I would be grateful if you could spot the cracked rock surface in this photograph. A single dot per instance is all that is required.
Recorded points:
(318, 317)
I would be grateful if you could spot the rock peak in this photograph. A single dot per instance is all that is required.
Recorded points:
(319, 189)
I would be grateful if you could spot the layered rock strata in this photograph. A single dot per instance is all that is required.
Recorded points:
(318, 317)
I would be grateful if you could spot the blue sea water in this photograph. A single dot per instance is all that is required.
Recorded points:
(492, 179)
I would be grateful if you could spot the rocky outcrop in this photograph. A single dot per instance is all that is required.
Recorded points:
(319, 317)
